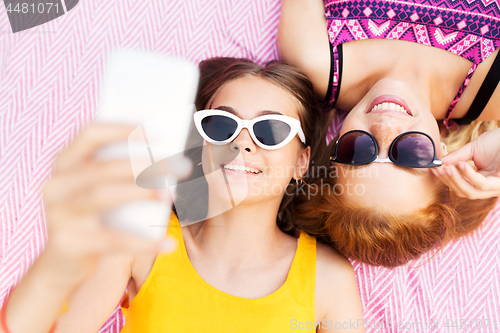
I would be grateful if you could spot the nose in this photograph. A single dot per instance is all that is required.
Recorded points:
(245, 142)
(384, 133)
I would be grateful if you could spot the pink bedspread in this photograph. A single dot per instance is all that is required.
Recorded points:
(50, 79)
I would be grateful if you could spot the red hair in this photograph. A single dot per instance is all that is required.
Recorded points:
(382, 238)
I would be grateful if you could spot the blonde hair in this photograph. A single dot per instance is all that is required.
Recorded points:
(471, 212)
(458, 136)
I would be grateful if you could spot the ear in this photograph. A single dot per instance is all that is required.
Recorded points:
(442, 149)
(302, 163)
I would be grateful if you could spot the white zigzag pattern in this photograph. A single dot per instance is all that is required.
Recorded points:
(50, 78)
(378, 30)
(443, 39)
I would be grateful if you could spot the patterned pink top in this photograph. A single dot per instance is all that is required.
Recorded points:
(469, 28)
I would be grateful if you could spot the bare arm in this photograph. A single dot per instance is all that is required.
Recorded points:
(303, 40)
(95, 300)
(338, 294)
(42, 293)
(83, 261)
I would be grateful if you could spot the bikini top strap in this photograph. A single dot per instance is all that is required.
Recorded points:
(484, 94)
(335, 77)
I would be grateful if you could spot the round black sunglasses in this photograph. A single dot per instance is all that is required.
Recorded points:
(410, 149)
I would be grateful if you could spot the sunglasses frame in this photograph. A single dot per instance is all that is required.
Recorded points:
(435, 161)
(295, 128)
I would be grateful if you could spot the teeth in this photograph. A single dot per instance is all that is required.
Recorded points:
(240, 168)
(389, 106)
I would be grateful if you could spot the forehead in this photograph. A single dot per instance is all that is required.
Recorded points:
(251, 95)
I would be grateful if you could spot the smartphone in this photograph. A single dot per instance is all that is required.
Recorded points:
(155, 93)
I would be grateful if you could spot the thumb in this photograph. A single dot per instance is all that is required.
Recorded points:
(464, 154)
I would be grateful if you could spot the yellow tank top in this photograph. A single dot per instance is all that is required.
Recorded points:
(174, 298)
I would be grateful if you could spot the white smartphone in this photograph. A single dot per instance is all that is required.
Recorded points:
(156, 93)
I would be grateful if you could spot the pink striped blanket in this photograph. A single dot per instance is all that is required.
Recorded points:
(50, 81)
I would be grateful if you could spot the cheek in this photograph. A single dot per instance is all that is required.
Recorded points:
(281, 165)
(429, 126)
(351, 122)
(213, 156)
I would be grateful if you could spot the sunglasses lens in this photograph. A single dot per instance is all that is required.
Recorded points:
(219, 128)
(413, 150)
(271, 132)
(356, 148)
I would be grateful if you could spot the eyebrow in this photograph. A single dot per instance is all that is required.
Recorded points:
(233, 111)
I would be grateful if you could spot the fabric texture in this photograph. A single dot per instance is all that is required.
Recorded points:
(470, 29)
(175, 298)
(50, 79)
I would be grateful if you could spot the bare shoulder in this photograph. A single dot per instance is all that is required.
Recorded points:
(337, 295)
(332, 266)
(140, 267)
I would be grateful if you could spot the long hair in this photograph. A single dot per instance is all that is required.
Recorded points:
(216, 72)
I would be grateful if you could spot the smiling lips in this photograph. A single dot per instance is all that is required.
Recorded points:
(241, 168)
(389, 106)
(389, 103)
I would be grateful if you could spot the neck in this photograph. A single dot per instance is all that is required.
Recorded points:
(246, 233)
(434, 74)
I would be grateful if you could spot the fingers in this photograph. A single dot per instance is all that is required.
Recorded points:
(475, 178)
(465, 153)
(468, 183)
(63, 185)
(73, 247)
(107, 196)
(88, 141)
(444, 174)
(82, 189)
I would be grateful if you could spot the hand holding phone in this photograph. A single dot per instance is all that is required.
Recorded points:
(156, 94)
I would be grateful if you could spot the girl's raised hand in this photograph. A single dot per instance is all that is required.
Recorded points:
(80, 189)
(461, 176)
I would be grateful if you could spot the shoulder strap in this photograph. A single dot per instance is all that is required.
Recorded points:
(328, 96)
(484, 94)
(335, 77)
(303, 271)
(340, 54)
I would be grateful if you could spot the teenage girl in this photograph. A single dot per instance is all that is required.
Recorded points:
(235, 271)
(397, 67)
